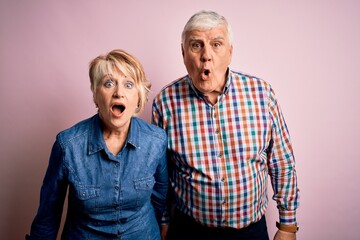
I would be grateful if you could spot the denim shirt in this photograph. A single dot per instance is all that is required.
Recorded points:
(109, 197)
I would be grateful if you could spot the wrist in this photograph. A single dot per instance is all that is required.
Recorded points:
(293, 228)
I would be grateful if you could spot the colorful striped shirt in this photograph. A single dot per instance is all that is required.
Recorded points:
(221, 155)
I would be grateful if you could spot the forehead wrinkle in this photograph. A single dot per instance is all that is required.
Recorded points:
(201, 38)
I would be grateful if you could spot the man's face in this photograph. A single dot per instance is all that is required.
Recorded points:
(207, 55)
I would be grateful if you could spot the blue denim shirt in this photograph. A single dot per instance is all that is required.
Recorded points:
(110, 197)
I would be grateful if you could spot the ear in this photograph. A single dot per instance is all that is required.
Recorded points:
(231, 52)
(182, 50)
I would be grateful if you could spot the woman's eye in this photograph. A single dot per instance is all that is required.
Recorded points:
(109, 83)
(129, 85)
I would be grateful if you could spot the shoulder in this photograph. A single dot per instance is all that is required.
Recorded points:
(248, 81)
(177, 84)
(175, 91)
(150, 130)
(245, 77)
(76, 131)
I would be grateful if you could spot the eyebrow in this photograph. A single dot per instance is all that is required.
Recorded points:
(194, 38)
(218, 38)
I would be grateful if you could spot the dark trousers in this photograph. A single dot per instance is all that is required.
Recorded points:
(183, 227)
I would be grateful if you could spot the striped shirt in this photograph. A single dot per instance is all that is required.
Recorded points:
(221, 155)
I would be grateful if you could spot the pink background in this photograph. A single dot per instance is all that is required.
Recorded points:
(308, 50)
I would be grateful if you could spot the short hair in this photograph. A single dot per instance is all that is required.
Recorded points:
(205, 20)
(120, 60)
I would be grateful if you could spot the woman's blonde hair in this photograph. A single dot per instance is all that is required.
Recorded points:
(120, 60)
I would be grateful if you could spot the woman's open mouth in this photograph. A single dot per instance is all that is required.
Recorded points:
(118, 109)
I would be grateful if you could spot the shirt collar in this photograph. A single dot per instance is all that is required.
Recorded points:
(96, 140)
(134, 133)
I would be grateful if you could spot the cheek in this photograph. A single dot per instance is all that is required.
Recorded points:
(189, 58)
(100, 99)
(191, 65)
(96, 97)
(136, 99)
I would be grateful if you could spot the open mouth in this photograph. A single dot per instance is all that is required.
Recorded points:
(205, 74)
(118, 109)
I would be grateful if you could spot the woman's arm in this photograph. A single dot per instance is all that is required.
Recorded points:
(53, 191)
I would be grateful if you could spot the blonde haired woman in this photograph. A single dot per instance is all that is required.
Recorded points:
(113, 163)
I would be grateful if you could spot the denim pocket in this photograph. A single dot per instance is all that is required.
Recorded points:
(144, 183)
(143, 188)
(87, 197)
(87, 192)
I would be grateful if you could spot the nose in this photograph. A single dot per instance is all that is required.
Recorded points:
(117, 92)
(206, 54)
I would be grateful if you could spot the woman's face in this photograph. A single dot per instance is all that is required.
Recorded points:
(117, 98)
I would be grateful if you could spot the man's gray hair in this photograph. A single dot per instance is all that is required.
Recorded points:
(205, 20)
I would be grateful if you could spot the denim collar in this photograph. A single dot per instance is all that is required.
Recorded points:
(96, 140)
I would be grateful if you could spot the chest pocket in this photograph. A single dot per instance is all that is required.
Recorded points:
(87, 197)
(143, 188)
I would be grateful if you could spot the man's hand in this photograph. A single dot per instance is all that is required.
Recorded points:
(163, 231)
(282, 235)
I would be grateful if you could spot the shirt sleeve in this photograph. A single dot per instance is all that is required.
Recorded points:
(281, 164)
(157, 120)
(53, 192)
(157, 115)
(161, 186)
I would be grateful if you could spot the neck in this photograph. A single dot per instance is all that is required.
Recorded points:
(115, 140)
(212, 97)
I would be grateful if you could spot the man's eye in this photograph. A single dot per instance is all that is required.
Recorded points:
(217, 44)
(129, 85)
(109, 83)
(196, 45)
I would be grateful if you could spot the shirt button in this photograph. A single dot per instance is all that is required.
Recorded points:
(116, 187)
